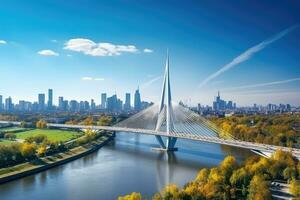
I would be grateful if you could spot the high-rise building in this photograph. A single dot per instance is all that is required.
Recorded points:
(60, 103)
(1, 102)
(8, 104)
(93, 105)
(50, 99)
(127, 105)
(137, 100)
(103, 101)
(112, 103)
(41, 102)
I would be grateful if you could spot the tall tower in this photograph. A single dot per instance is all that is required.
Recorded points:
(165, 115)
(50, 99)
(137, 100)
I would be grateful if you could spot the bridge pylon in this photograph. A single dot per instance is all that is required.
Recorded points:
(165, 113)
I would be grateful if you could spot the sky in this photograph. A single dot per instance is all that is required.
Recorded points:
(248, 49)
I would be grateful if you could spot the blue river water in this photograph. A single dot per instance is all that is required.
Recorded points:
(125, 165)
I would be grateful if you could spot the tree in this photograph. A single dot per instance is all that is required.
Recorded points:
(41, 124)
(28, 150)
(259, 189)
(105, 120)
(88, 121)
(295, 188)
(170, 192)
(202, 175)
(10, 136)
(132, 196)
(40, 138)
(41, 151)
(23, 124)
(289, 173)
(239, 178)
(227, 166)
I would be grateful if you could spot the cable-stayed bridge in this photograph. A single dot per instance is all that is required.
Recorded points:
(169, 121)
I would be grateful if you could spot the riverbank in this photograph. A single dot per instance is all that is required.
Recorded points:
(29, 168)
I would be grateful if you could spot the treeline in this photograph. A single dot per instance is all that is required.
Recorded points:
(104, 120)
(250, 180)
(282, 130)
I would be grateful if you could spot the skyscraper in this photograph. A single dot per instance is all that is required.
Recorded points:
(1, 102)
(127, 105)
(60, 103)
(8, 104)
(93, 105)
(103, 101)
(50, 99)
(137, 100)
(41, 102)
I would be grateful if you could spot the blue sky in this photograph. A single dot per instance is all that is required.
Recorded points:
(249, 50)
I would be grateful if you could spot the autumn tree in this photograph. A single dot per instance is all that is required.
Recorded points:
(132, 196)
(259, 189)
(41, 151)
(28, 150)
(295, 188)
(41, 124)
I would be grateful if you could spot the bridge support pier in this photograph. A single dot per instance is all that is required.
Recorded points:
(169, 146)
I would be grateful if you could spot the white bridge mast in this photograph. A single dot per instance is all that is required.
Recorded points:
(165, 114)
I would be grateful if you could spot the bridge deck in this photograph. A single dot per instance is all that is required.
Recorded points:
(216, 140)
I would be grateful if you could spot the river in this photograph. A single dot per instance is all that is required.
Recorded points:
(128, 164)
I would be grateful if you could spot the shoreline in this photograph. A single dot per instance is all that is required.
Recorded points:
(47, 162)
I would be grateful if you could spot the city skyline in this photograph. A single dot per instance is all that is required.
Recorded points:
(250, 60)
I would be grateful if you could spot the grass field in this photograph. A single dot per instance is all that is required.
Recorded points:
(6, 142)
(52, 135)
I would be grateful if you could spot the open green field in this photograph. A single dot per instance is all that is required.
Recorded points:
(6, 142)
(52, 135)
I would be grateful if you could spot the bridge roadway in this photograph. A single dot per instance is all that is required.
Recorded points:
(264, 148)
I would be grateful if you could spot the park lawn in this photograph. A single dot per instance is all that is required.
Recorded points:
(6, 142)
(52, 134)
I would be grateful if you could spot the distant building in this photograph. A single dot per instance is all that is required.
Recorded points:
(221, 105)
(103, 101)
(73, 106)
(50, 99)
(41, 99)
(127, 105)
(112, 103)
(60, 103)
(8, 104)
(93, 105)
(1, 102)
(137, 100)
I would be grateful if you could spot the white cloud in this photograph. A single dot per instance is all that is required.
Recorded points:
(69, 55)
(48, 52)
(99, 79)
(54, 41)
(148, 50)
(2, 42)
(150, 82)
(248, 54)
(89, 47)
(263, 84)
(88, 78)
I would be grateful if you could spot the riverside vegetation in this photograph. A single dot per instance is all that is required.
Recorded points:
(37, 145)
